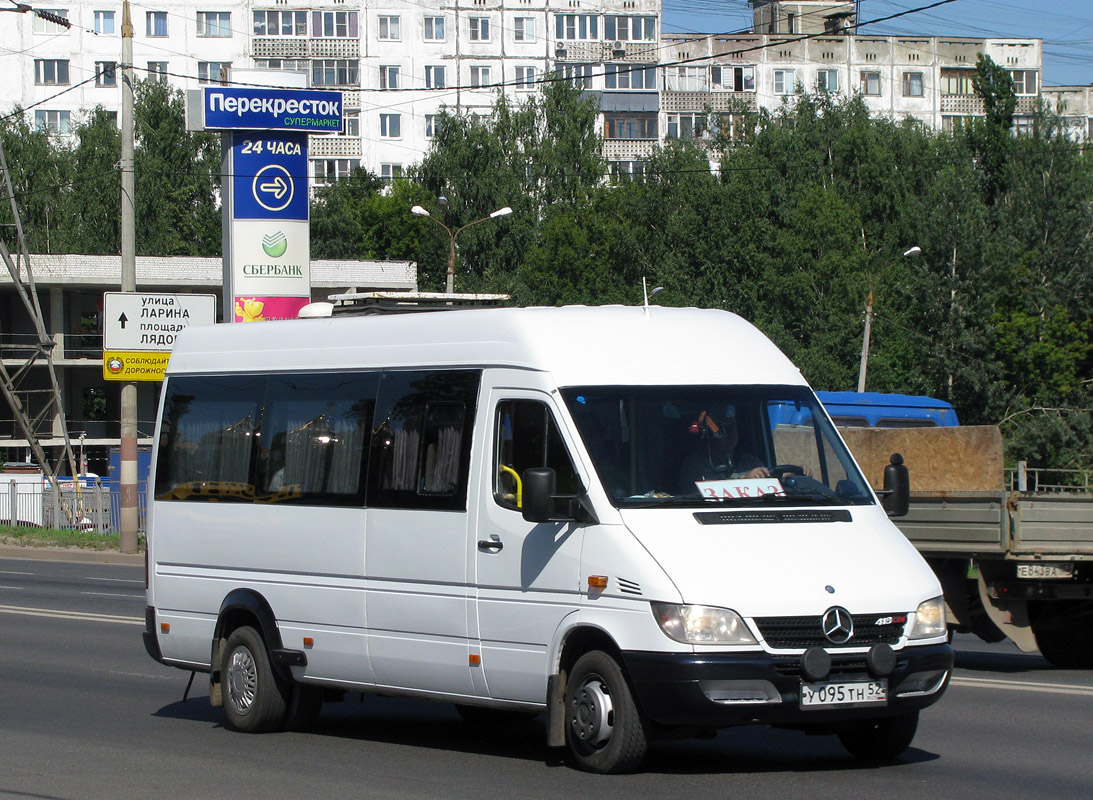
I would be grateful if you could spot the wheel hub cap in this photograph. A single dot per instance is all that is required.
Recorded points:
(593, 713)
(242, 680)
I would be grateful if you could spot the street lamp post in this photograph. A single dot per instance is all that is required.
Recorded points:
(452, 234)
(914, 251)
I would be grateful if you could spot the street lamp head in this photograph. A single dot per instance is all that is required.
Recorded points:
(421, 212)
(914, 251)
(501, 212)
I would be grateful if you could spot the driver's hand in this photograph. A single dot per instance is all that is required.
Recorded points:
(758, 472)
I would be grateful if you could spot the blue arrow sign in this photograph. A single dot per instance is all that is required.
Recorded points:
(269, 175)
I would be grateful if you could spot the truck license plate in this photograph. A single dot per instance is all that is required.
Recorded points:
(858, 693)
(1040, 570)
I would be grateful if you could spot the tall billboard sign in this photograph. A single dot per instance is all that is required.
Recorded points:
(267, 242)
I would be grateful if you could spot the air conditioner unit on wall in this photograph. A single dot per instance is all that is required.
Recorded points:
(618, 46)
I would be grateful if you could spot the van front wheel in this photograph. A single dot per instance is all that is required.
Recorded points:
(604, 728)
(255, 699)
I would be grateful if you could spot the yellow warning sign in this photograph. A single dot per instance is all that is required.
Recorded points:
(122, 365)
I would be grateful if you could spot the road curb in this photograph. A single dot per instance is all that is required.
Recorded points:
(70, 554)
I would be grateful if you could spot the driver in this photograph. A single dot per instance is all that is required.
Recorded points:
(717, 453)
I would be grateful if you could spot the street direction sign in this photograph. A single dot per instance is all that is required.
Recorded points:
(133, 321)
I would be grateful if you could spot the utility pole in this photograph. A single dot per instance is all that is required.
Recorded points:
(130, 515)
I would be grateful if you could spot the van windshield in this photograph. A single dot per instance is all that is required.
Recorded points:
(700, 445)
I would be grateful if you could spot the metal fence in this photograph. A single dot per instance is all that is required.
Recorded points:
(89, 507)
(1034, 479)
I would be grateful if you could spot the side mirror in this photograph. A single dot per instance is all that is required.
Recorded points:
(539, 483)
(896, 497)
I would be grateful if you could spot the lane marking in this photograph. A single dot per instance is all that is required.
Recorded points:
(12, 572)
(17, 588)
(83, 616)
(109, 594)
(115, 580)
(1022, 686)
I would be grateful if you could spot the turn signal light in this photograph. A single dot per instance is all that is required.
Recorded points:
(597, 581)
(309, 642)
(164, 627)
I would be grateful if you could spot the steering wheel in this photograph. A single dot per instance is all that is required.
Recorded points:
(786, 469)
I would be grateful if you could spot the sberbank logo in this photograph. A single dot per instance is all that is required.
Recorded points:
(275, 244)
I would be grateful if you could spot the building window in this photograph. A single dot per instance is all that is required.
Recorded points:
(912, 84)
(624, 171)
(480, 77)
(389, 172)
(784, 81)
(391, 126)
(1024, 81)
(525, 77)
(337, 24)
(388, 77)
(44, 25)
(335, 72)
(55, 121)
(106, 73)
(733, 127)
(579, 75)
(870, 83)
(827, 80)
(629, 126)
(389, 29)
(351, 124)
(157, 71)
(958, 82)
(630, 29)
(576, 27)
(213, 71)
(332, 169)
(523, 29)
(434, 29)
(686, 126)
(479, 29)
(284, 64)
(733, 79)
(641, 76)
(104, 23)
(155, 23)
(51, 71)
(216, 24)
(435, 77)
(685, 79)
(280, 23)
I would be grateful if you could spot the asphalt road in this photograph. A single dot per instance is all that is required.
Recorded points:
(85, 713)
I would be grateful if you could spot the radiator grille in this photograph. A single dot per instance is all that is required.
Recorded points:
(801, 632)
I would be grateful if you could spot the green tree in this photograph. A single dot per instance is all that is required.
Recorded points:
(40, 172)
(93, 222)
(177, 177)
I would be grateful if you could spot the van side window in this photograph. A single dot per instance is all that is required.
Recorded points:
(298, 439)
(207, 446)
(526, 435)
(315, 437)
(421, 443)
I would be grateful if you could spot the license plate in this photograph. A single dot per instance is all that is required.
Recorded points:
(1045, 570)
(858, 693)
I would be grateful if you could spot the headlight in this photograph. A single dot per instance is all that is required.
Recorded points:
(702, 624)
(929, 620)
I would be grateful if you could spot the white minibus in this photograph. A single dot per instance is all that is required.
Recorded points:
(599, 515)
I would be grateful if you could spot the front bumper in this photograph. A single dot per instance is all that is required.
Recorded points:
(717, 690)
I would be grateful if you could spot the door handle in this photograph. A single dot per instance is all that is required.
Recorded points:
(491, 545)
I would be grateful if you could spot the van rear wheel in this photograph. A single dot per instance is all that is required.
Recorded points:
(604, 728)
(255, 698)
(882, 738)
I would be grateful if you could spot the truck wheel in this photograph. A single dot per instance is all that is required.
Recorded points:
(255, 699)
(1066, 643)
(882, 738)
(604, 728)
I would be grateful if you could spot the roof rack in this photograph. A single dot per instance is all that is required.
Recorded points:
(400, 303)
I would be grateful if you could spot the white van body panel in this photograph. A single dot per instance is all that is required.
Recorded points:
(748, 567)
